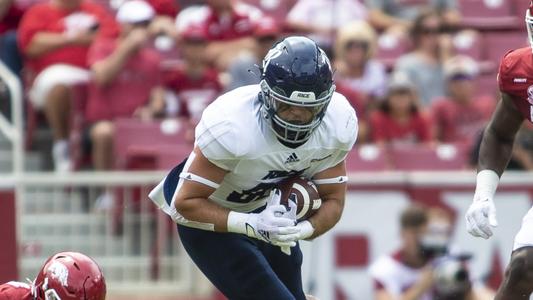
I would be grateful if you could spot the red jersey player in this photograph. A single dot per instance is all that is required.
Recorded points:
(64, 276)
(516, 85)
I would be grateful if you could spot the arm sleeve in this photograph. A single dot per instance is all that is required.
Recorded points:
(503, 71)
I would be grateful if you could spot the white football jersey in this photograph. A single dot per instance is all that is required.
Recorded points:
(233, 135)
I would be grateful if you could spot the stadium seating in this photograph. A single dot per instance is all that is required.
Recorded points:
(429, 158)
(278, 9)
(468, 42)
(390, 48)
(487, 84)
(489, 14)
(136, 142)
(168, 156)
(366, 158)
(497, 44)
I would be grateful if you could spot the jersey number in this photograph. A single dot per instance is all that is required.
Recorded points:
(261, 190)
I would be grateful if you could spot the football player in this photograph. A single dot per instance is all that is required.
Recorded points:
(515, 79)
(64, 276)
(249, 139)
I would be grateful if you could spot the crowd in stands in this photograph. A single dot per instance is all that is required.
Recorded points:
(419, 73)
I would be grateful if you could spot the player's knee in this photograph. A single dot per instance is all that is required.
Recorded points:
(520, 270)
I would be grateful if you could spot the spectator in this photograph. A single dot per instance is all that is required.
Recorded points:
(194, 83)
(54, 37)
(320, 19)
(398, 16)
(461, 116)
(354, 59)
(245, 69)
(424, 64)
(126, 80)
(10, 15)
(228, 25)
(398, 120)
(423, 267)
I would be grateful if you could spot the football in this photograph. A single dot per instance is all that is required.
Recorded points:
(304, 193)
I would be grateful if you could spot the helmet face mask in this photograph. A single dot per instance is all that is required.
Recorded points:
(296, 88)
(51, 295)
(529, 23)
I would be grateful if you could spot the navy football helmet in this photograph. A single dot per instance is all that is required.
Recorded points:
(295, 73)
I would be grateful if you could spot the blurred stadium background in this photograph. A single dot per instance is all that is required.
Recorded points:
(43, 211)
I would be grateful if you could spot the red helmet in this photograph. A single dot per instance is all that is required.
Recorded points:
(69, 276)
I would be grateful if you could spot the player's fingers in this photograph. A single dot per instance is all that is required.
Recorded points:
(283, 244)
(288, 230)
(471, 226)
(278, 208)
(479, 228)
(483, 220)
(275, 197)
(475, 231)
(492, 216)
(280, 222)
(288, 237)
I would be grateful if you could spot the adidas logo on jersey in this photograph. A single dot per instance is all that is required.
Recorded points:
(292, 158)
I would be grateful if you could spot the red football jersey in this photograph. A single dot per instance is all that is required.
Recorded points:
(14, 290)
(515, 78)
(46, 17)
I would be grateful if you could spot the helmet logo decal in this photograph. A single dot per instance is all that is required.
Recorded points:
(272, 53)
(60, 272)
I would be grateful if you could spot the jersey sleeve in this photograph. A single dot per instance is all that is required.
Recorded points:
(216, 137)
(503, 72)
(346, 129)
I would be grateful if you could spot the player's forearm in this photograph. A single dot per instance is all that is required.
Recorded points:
(327, 216)
(203, 211)
(495, 151)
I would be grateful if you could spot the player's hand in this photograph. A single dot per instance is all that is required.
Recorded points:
(268, 225)
(481, 217)
(305, 228)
